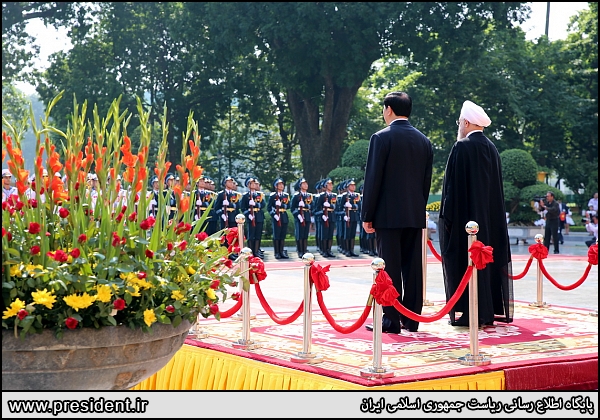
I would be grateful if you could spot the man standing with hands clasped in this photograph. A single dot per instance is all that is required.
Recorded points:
(552, 214)
(473, 191)
(396, 189)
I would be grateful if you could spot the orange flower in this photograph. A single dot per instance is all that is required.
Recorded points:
(142, 155)
(185, 179)
(178, 190)
(195, 150)
(54, 160)
(129, 174)
(184, 204)
(197, 172)
(57, 190)
(189, 163)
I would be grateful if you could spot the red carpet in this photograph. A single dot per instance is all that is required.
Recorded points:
(545, 348)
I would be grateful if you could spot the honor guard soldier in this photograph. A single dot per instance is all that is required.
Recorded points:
(324, 209)
(279, 202)
(227, 203)
(351, 204)
(252, 205)
(301, 202)
(317, 220)
(370, 242)
(201, 199)
(339, 218)
(212, 226)
(153, 197)
(170, 197)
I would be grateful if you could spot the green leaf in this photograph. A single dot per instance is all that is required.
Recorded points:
(112, 320)
(245, 284)
(12, 251)
(177, 320)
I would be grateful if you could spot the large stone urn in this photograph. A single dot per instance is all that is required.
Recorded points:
(109, 358)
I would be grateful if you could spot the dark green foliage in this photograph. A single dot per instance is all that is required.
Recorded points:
(518, 167)
(539, 190)
(343, 173)
(355, 155)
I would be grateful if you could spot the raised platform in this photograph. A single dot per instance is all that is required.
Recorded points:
(554, 348)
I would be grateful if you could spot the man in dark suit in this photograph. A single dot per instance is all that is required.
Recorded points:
(396, 189)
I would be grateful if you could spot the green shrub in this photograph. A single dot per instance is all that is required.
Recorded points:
(355, 155)
(342, 173)
(540, 189)
(518, 167)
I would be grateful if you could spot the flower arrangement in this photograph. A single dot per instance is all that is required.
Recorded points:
(68, 264)
(433, 206)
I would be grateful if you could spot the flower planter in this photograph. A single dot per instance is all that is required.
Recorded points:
(523, 233)
(110, 358)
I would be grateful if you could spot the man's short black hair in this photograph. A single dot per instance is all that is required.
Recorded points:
(400, 102)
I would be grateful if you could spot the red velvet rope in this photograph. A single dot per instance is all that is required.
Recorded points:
(447, 307)
(561, 287)
(538, 251)
(593, 254)
(344, 330)
(481, 254)
(433, 251)
(229, 312)
(318, 275)
(272, 314)
(520, 276)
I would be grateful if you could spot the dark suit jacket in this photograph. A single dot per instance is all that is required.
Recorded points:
(397, 177)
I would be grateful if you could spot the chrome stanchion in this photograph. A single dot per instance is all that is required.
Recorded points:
(595, 313)
(196, 332)
(539, 239)
(245, 343)
(240, 219)
(305, 356)
(377, 370)
(473, 358)
(424, 257)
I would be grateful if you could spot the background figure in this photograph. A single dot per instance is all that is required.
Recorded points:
(550, 205)
(592, 227)
(396, 189)
(324, 210)
(252, 205)
(473, 191)
(350, 217)
(562, 221)
(300, 206)
(279, 202)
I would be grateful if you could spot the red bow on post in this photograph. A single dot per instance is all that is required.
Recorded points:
(593, 254)
(481, 254)
(538, 251)
(383, 289)
(319, 277)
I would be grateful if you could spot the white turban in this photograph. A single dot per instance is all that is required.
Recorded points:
(474, 114)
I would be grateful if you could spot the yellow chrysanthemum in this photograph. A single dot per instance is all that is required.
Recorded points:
(177, 295)
(115, 287)
(70, 259)
(30, 268)
(211, 294)
(44, 297)
(14, 309)
(149, 317)
(191, 271)
(78, 302)
(15, 271)
(136, 293)
(143, 284)
(104, 293)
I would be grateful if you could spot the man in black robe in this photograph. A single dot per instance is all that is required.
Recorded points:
(473, 191)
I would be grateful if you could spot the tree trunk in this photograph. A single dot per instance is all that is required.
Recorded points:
(321, 135)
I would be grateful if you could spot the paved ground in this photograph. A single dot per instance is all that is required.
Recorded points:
(351, 278)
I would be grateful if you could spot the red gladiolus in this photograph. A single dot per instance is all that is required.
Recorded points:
(234, 283)
(4, 231)
(119, 218)
(170, 246)
(60, 255)
(149, 253)
(147, 223)
(132, 217)
(35, 250)
(170, 309)
(201, 236)
(71, 323)
(9, 236)
(235, 296)
(182, 245)
(75, 253)
(141, 275)
(34, 228)
(63, 212)
(116, 240)
(82, 238)
(215, 284)
(33, 203)
(22, 314)
(214, 308)
(119, 304)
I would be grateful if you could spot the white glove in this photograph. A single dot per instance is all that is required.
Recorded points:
(301, 204)
(312, 219)
(326, 204)
(153, 203)
(300, 218)
(346, 218)
(250, 217)
(278, 203)
(198, 202)
(276, 217)
(251, 202)
(348, 205)
(224, 216)
(225, 202)
(324, 217)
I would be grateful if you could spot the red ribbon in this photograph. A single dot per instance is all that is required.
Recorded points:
(257, 269)
(481, 254)
(319, 277)
(538, 251)
(383, 289)
(593, 254)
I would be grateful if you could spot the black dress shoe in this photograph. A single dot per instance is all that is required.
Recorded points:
(463, 321)
(556, 252)
(386, 325)
(404, 327)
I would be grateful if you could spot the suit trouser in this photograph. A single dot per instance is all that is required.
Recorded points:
(401, 249)
(551, 229)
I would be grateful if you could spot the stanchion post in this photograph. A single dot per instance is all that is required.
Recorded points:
(595, 313)
(245, 343)
(473, 358)
(539, 239)
(196, 332)
(425, 239)
(240, 219)
(305, 356)
(377, 370)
